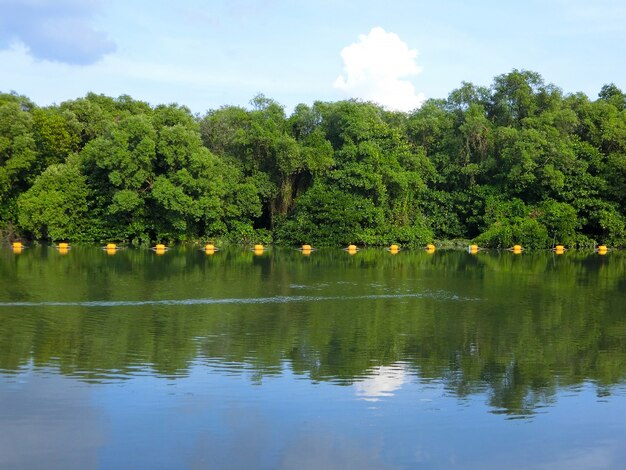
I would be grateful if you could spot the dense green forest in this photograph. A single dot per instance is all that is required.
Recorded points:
(518, 162)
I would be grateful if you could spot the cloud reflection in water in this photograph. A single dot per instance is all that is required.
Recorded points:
(382, 382)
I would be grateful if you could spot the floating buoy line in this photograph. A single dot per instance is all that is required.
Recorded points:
(111, 248)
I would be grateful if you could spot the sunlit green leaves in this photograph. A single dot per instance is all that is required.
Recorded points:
(516, 161)
(55, 207)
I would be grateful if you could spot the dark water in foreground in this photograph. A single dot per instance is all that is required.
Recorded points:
(327, 361)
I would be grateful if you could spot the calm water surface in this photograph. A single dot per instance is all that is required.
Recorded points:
(323, 361)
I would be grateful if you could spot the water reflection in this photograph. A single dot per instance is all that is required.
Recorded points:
(42, 413)
(331, 451)
(382, 382)
(514, 330)
(324, 361)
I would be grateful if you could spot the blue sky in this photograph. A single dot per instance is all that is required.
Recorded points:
(206, 54)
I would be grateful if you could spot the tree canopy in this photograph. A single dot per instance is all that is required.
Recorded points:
(516, 162)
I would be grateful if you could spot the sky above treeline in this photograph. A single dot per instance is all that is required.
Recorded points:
(210, 53)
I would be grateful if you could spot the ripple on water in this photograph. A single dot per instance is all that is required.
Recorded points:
(279, 299)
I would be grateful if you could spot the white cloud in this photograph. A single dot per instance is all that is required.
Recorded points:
(54, 30)
(376, 69)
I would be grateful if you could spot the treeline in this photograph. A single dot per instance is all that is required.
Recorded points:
(518, 162)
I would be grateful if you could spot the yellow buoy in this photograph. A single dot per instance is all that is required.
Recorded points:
(259, 247)
(210, 249)
(17, 245)
(111, 246)
(517, 249)
(602, 249)
(559, 249)
(430, 248)
(307, 247)
(160, 247)
(63, 246)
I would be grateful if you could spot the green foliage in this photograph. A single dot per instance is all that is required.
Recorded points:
(18, 155)
(55, 207)
(506, 233)
(560, 220)
(329, 216)
(153, 178)
(57, 135)
(518, 162)
(511, 222)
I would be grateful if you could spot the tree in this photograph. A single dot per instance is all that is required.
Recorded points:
(518, 161)
(55, 207)
(18, 155)
(57, 135)
(152, 179)
(514, 97)
(613, 95)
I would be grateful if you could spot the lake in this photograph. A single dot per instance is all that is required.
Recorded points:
(332, 360)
